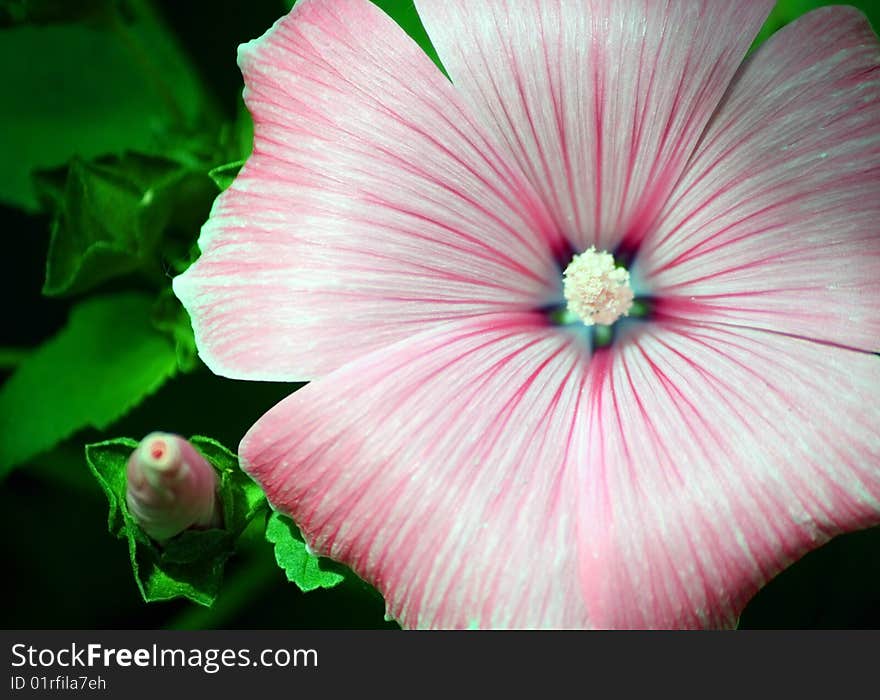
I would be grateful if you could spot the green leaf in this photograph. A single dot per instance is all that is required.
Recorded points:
(302, 567)
(89, 90)
(12, 357)
(112, 215)
(99, 366)
(223, 175)
(52, 11)
(190, 565)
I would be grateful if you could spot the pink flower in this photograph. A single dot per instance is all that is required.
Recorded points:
(400, 240)
(170, 487)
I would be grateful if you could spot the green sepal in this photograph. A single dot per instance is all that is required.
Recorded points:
(302, 567)
(112, 216)
(191, 564)
(223, 175)
(171, 318)
(240, 496)
(236, 142)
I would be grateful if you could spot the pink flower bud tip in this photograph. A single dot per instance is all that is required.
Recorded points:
(171, 487)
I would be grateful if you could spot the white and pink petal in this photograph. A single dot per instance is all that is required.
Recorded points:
(600, 102)
(440, 470)
(374, 206)
(492, 474)
(715, 457)
(776, 222)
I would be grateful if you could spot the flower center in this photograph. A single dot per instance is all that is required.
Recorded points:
(597, 292)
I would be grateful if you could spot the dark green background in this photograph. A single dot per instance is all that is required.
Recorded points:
(65, 570)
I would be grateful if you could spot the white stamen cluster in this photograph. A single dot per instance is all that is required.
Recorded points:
(596, 290)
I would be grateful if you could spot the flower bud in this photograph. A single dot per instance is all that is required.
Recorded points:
(171, 487)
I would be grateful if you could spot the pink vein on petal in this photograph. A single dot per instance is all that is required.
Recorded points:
(504, 479)
(458, 488)
(598, 135)
(776, 222)
(374, 205)
(725, 455)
